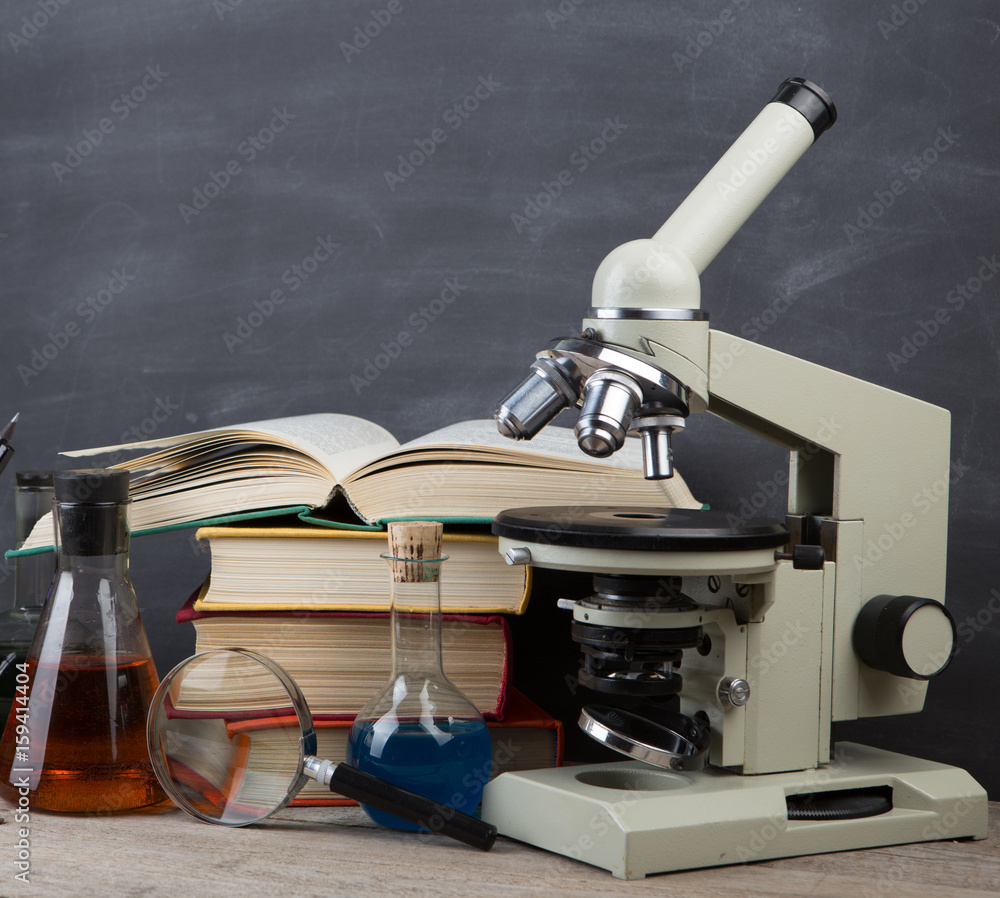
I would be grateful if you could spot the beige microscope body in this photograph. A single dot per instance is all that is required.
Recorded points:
(868, 481)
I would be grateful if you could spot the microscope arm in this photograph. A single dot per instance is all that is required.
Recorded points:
(874, 466)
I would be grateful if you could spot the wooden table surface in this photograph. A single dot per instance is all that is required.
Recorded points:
(337, 851)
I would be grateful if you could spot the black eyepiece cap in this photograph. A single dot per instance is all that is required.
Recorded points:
(810, 100)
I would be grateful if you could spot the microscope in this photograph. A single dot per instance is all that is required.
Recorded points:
(719, 649)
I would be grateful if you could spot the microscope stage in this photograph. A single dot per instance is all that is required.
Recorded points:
(639, 540)
(642, 528)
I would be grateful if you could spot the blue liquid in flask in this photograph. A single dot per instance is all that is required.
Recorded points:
(449, 763)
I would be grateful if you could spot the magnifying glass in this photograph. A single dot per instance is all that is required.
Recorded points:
(232, 741)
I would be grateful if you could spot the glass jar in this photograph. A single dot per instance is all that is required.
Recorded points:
(32, 578)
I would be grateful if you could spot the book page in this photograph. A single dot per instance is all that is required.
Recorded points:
(339, 442)
(479, 440)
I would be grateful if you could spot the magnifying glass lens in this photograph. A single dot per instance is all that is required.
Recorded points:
(225, 735)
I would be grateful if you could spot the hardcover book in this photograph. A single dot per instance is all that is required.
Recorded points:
(463, 473)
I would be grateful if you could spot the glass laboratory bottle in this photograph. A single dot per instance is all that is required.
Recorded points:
(32, 577)
(76, 734)
(420, 732)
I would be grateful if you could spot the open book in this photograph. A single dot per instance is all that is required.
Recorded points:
(463, 473)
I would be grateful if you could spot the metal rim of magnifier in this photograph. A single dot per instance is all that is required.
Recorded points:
(610, 726)
(307, 742)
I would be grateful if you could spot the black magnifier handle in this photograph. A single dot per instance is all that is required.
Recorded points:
(392, 799)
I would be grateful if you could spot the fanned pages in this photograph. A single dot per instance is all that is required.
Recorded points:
(463, 472)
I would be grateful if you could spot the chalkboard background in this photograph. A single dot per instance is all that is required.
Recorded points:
(184, 157)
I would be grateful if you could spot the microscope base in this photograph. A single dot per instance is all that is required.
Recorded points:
(633, 819)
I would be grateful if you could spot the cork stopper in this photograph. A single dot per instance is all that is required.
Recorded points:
(417, 540)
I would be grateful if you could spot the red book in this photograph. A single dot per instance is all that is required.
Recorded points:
(526, 739)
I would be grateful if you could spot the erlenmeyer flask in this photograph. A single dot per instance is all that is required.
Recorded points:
(76, 735)
(420, 732)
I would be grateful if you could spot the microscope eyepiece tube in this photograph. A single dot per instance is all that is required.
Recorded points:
(749, 170)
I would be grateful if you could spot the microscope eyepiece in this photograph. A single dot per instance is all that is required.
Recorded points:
(809, 100)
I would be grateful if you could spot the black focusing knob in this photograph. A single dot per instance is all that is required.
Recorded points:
(906, 636)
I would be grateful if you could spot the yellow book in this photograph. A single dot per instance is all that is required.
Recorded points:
(301, 568)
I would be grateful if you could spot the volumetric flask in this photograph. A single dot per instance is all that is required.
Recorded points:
(419, 731)
(232, 741)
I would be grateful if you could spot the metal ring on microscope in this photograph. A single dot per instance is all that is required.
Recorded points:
(590, 355)
(688, 753)
(649, 314)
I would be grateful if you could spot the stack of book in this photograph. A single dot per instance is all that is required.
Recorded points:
(316, 601)
(309, 589)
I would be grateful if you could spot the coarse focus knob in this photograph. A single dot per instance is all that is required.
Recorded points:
(906, 636)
